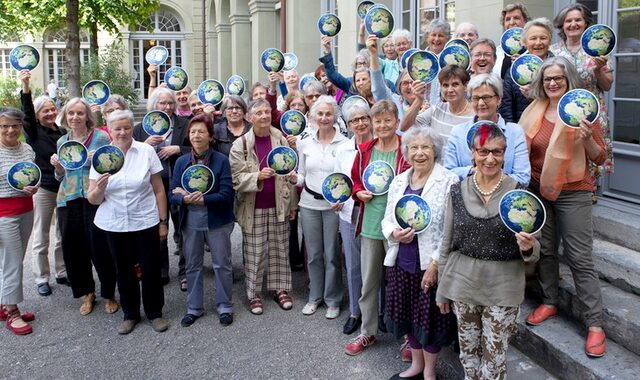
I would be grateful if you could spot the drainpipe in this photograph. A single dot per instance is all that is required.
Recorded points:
(283, 25)
(204, 38)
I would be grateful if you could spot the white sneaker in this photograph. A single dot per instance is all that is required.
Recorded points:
(332, 312)
(310, 308)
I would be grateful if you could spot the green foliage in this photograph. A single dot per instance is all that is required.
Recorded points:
(107, 67)
(10, 92)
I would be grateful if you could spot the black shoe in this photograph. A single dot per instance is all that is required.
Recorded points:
(352, 325)
(63, 281)
(381, 326)
(188, 320)
(414, 377)
(44, 289)
(226, 319)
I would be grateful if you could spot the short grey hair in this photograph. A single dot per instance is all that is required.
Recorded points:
(12, 113)
(119, 100)
(258, 103)
(235, 99)
(41, 101)
(401, 33)
(355, 108)
(558, 21)
(363, 54)
(512, 7)
(428, 133)
(314, 85)
(541, 22)
(536, 88)
(492, 80)
(325, 99)
(437, 24)
(473, 27)
(118, 115)
(91, 117)
(483, 41)
(152, 103)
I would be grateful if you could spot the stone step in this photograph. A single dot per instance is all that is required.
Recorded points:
(618, 265)
(558, 346)
(614, 224)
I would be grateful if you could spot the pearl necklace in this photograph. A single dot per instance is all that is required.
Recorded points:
(490, 192)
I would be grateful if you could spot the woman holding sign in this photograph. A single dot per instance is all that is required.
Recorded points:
(560, 157)
(412, 257)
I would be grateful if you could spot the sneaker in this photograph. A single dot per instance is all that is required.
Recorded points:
(226, 319)
(332, 312)
(44, 289)
(357, 345)
(310, 308)
(159, 324)
(127, 326)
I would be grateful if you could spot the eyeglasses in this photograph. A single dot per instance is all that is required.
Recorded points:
(485, 99)
(557, 79)
(358, 120)
(233, 109)
(482, 152)
(482, 55)
(11, 126)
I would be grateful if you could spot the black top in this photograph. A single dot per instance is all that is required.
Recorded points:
(43, 141)
(224, 138)
(178, 137)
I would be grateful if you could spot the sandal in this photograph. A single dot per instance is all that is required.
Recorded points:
(27, 317)
(184, 285)
(87, 305)
(14, 316)
(283, 299)
(111, 306)
(255, 306)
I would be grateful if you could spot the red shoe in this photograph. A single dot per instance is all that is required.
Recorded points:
(12, 316)
(357, 345)
(596, 344)
(541, 314)
(27, 317)
(405, 351)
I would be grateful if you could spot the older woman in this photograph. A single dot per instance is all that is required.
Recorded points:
(358, 118)
(132, 214)
(485, 91)
(481, 263)
(559, 169)
(317, 154)
(388, 49)
(258, 91)
(42, 133)
(483, 56)
(115, 102)
(412, 260)
(455, 109)
(512, 16)
(537, 38)
(206, 217)
(82, 242)
(436, 35)
(321, 75)
(467, 32)
(596, 72)
(233, 124)
(16, 219)
(294, 99)
(312, 91)
(386, 147)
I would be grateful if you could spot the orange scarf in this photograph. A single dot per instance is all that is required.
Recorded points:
(565, 159)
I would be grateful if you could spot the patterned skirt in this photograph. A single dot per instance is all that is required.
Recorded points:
(409, 310)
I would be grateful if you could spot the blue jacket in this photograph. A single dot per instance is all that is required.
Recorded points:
(219, 200)
(457, 156)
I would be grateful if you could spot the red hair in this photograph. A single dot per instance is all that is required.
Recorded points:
(208, 123)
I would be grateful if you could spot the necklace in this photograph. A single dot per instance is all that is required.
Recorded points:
(490, 192)
(462, 111)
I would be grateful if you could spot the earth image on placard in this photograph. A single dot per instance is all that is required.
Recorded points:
(96, 92)
(414, 212)
(72, 155)
(455, 55)
(156, 123)
(423, 66)
(379, 21)
(576, 105)
(405, 57)
(24, 57)
(337, 188)
(521, 211)
(512, 41)
(282, 159)
(525, 68)
(235, 85)
(598, 40)
(293, 122)
(329, 24)
(306, 78)
(457, 42)
(176, 78)
(363, 7)
(377, 177)
(157, 55)
(272, 60)
(23, 174)
(108, 159)
(290, 61)
(197, 178)
(210, 92)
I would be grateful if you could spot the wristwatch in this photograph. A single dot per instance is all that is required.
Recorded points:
(164, 221)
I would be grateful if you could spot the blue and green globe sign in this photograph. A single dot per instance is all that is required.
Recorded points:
(512, 41)
(598, 40)
(23, 174)
(293, 122)
(156, 123)
(377, 177)
(405, 57)
(197, 177)
(282, 159)
(412, 211)
(577, 105)
(457, 42)
(272, 60)
(235, 85)
(455, 55)
(108, 159)
(176, 78)
(363, 7)
(329, 24)
(379, 21)
(423, 66)
(24, 57)
(96, 92)
(522, 211)
(337, 188)
(72, 155)
(525, 68)
(210, 91)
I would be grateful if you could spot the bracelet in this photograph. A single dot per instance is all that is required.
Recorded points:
(434, 262)
(164, 221)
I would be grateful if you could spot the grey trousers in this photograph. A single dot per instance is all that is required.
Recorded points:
(371, 263)
(43, 212)
(569, 218)
(14, 237)
(320, 229)
(219, 241)
(351, 247)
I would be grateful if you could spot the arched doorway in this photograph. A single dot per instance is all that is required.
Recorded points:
(168, 32)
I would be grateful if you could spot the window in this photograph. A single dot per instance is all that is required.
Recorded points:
(54, 45)
(416, 15)
(5, 66)
(331, 6)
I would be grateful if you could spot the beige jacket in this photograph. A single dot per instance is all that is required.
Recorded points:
(245, 167)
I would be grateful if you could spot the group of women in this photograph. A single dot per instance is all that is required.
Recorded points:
(463, 278)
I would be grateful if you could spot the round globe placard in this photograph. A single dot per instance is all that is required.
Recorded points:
(474, 128)
(197, 177)
(108, 159)
(282, 159)
(156, 123)
(405, 57)
(24, 57)
(211, 92)
(522, 211)
(512, 41)
(272, 60)
(352, 100)
(363, 8)
(524, 68)
(72, 155)
(329, 24)
(235, 85)
(23, 174)
(412, 211)
(96, 92)
(457, 42)
(576, 105)
(377, 177)
(176, 78)
(290, 61)
(306, 78)
(379, 21)
(293, 122)
(423, 66)
(598, 40)
(157, 55)
(455, 55)
(337, 188)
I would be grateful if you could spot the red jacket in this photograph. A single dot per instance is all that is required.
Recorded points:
(360, 163)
